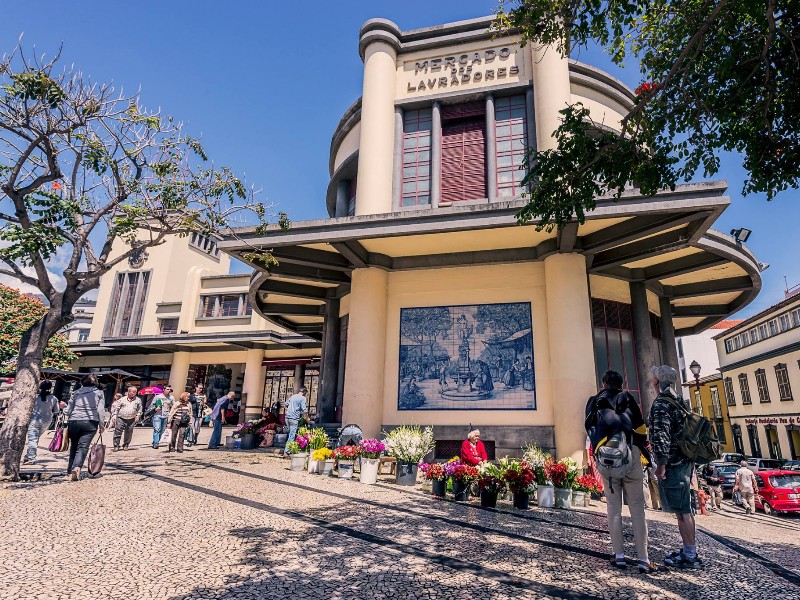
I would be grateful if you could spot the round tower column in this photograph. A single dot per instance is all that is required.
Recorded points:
(551, 93)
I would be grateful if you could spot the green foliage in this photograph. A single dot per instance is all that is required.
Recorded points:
(17, 313)
(718, 76)
(35, 85)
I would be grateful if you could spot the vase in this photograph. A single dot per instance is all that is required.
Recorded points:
(522, 500)
(577, 498)
(230, 442)
(327, 466)
(298, 461)
(544, 496)
(488, 499)
(248, 441)
(268, 438)
(369, 470)
(345, 469)
(313, 465)
(587, 500)
(439, 487)
(563, 497)
(406, 473)
(460, 491)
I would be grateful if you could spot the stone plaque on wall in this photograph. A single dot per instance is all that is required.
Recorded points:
(472, 357)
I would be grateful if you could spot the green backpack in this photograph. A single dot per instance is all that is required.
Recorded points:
(698, 442)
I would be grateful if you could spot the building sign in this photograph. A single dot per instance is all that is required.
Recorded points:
(773, 421)
(465, 69)
(476, 357)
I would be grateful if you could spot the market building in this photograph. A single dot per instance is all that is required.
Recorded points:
(760, 369)
(431, 304)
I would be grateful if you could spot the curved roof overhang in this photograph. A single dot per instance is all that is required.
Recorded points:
(664, 241)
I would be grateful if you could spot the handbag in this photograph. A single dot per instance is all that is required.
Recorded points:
(185, 420)
(97, 456)
(60, 441)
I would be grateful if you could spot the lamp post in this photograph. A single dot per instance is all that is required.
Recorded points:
(695, 369)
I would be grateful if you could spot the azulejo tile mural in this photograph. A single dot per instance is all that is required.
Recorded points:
(473, 357)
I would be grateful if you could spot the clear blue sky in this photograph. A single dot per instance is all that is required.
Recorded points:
(265, 86)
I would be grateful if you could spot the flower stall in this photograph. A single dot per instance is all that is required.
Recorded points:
(346, 457)
(370, 460)
(462, 476)
(490, 483)
(435, 473)
(519, 477)
(409, 444)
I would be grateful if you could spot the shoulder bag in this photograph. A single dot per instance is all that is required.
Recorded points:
(97, 456)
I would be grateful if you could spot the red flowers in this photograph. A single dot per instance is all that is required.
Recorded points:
(646, 88)
(519, 477)
(433, 471)
(465, 473)
(588, 484)
(347, 452)
(557, 473)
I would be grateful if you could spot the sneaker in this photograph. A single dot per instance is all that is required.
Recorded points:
(75, 475)
(684, 562)
(673, 555)
(619, 563)
(116, 449)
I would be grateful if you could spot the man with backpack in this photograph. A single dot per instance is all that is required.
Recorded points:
(673, 468)
(618, 436)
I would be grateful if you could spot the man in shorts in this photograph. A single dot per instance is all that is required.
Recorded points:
(673, 470)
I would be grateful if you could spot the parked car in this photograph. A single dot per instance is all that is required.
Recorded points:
(791, 465)
(764, 464)
(778, 491)
(731, 457)
(727, 471)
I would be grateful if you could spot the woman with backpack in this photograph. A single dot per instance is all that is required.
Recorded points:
(179, 419)
(618, 436)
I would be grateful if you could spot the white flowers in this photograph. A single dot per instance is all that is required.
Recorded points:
(409, 443)
(535, 456)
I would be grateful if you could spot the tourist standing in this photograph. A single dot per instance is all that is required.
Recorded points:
(613, 416)
(180, 416)
(747, 486)
(197, 400)
(86, 411)
(45, 407)
(129, 411)
(714, 481)
(218, 420)
(162, 405)
(296, 408)
(673, 469)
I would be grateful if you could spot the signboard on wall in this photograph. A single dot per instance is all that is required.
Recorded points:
(468, 357)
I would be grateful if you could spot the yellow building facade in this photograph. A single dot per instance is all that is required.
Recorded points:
(708, 399)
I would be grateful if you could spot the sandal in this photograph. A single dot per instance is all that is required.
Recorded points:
(619, 563)
(645, 568)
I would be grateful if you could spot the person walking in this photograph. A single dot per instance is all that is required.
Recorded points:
(614, 416)
(197, 400)
(111, 420)
(86, 412)
(673, 469)
(180, 416)
(45, 407)
(129, 411)
(714, 482)
(296, 408)
(218, 420)
(162, 405)
(747, 486)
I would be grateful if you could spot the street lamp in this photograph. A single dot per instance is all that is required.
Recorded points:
(695, 369)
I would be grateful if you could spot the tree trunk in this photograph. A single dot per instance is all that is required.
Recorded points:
(26, 385)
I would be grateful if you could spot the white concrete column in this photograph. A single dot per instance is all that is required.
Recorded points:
(376, 148)
(253, 383)
(179, 371)
(551, 93)
(366, 347)
(436, 154)
(572, 368)
(491, 150)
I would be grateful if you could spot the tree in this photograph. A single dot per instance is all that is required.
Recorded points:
(88, 173)
(718, 75)
(503, 320)
(17, 313)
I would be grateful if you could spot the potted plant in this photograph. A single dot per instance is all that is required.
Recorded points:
(298, 458)
(587, 485)
(345, 458)
(537, 459)
(563, 474)
(408, 444)
(519, 478)
(370, 460)
(434, 472)
(490, 483)
(462, 476)
(316, 439)
(324, 458)
(248, 434)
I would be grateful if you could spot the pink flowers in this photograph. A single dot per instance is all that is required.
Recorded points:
(302, 441)
(371, 448)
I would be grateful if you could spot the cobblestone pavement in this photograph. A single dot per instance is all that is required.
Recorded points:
(232, 524)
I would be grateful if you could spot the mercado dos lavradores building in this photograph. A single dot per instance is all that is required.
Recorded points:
(431, 305)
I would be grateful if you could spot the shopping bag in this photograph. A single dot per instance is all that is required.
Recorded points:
(167, 437)
(55, 443)
(97, 456)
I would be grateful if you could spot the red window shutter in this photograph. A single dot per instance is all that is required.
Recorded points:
(463, 161)
(464, 110)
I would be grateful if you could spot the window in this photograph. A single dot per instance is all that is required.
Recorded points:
(753, 336)
(796, 317)
(755, 444)
(729, 397)
(224, 305)
(168, 326)
(784, 322)
(416, 157)
(510, 127)
(613, 342)
(773, 327)
(720, 428)
(464, 151)
(728, 346)
(762, 331)
(698, 403)
(744, 387)
(83, 335)
(761, 384)
(351, 197)
(127, 304)
(784, 387)
(715, 405)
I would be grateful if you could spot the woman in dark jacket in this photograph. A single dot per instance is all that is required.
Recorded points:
(86, 412)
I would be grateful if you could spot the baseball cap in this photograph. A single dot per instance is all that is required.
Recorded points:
(665, 374)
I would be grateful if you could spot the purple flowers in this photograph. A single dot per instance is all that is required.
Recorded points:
(302, 441)
(371, 448)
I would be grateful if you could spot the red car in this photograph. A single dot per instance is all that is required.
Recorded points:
(778, 491)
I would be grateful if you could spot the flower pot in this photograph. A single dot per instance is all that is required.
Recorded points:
(230, 442)
(313, 466)
(577, 498)
(248, 441)
(587, 500)
(280, 440)
(563, 498)
(544, 496)
(439, 487)
(406, 473)
(460, 491)
(298, 461)
(369, 470)
(488, 499)
(327, 466)
(522, 500)
(345, 469)
(269, 437)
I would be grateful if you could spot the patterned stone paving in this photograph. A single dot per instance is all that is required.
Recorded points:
(226, 524)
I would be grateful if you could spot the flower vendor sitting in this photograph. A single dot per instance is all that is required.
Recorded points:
(472, 450)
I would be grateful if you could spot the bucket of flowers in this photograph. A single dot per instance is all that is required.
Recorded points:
(298, 457)
(520, 479)
(317, 439)
(324, 459)
(248, 434)
(434, 472)
(408, 444)
(370, 460)
(345, 458)
(490, 483)
(462, 476)
(559, 474)
(585, 486)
